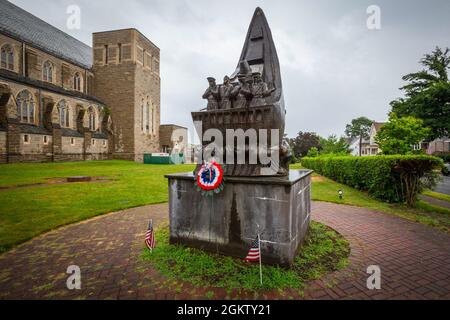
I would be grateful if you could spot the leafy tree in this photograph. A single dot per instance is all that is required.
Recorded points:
(304, 142)
(313, 152)
(359, 128)
(400, 134)
(334, 145)
(427, 94)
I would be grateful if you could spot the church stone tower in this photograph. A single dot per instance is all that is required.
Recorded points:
(127, 79)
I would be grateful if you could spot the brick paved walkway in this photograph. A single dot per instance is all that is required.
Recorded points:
(414, 261)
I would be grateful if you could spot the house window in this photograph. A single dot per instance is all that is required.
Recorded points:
(104, 143)
(63, 109)
(92, 119)
(7, 57)
(45, 140)
(93, 142)
(47, 71)
(26, 138)
(72, 141)
(25, 107)
(77, 82)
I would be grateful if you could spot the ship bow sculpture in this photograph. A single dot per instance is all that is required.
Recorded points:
(250, 98)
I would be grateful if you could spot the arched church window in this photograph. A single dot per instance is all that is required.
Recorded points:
(25, 107)
(77, 82)
(92, 119)
(7, 57)
(47, 71)
(64, 116)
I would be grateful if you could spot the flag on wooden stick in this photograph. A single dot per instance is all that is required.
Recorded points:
(150, 237)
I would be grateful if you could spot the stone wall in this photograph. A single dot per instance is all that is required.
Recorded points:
(98, 148)
(228, 222)
(124, 82)
(72, 103)
(73, 145)
(2, 147)
(34, 149)
(169, 141)
(63, 71)
(114, 84)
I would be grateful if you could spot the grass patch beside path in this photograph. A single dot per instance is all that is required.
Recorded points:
(425, 206)
(324, 189)
(324, 251)
(29, 211)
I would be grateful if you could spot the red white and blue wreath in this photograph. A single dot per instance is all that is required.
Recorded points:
(210, 178)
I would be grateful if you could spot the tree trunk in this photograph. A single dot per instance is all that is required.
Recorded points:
(360, 145)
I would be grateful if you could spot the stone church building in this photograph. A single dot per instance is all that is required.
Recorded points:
(61, 100)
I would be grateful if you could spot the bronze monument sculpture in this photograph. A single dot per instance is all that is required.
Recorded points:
(259, 194)
(245, 100)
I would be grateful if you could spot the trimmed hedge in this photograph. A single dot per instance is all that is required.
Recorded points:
(395, 178)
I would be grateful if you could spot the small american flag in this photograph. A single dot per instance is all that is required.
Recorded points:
(254, 252)
(150, 236)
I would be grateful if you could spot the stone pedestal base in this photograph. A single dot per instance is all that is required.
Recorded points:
(227, 222)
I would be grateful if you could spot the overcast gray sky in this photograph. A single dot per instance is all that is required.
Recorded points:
(333, 68)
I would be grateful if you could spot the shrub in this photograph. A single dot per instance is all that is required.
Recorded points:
(397, 178)
(445, 171)
(444, 156)
(313, 152)
(294, 159)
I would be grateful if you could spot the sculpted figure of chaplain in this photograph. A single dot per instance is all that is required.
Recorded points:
(242, 93)
(260, 91)
(226, 94)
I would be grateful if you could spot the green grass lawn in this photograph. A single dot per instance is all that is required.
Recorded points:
(31, 210)
(323, 251)
(27, 210)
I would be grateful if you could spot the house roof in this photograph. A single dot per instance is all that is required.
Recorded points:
(355, 140)
(23, 26)
(378, 125)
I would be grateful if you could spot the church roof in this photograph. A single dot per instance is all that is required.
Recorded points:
(23, 26)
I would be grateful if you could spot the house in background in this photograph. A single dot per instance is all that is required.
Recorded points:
(368, 146)
(438, 146)
(372, 149)
(354, 146)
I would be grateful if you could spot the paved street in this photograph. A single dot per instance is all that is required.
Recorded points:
(443, 186)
